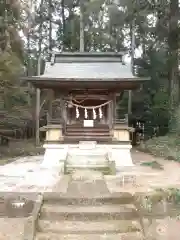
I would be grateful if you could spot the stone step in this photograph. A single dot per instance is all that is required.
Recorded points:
(84, 159)
(80, 160)
(88, 137)
(81, 128)
(99, 160)
(80, 227)
(83, 133)
(110, 199)
(109, 236)
(87, 164)
(77, 139)
(85, 213)
(87, 160)
(105, 169)
(92, 158)
(93, 152)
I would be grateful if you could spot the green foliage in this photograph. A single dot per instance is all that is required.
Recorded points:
(10, 68)
(13, 96)
(175, 194)
(153, 164)
(167, 147)
(175, 122)
(17, 149)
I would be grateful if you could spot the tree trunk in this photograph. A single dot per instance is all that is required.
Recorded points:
(81, 43)
(63, 24)
(38, 92)
(132, 35)
(50, 26)
(173, 59)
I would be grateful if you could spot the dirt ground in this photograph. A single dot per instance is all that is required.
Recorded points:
(145, 177)
(11, 228)
(168, 176)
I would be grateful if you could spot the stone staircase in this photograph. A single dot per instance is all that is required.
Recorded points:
(93, 159)
(110, 217)
(88, 211)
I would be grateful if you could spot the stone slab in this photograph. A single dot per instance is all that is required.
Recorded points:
(87, 145)
(87, 183)
(110, 226)
(105, 236)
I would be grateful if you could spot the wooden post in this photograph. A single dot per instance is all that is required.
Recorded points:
(129, 101)
(38, 96)
(132, 32)
(50, 99)
(63, 114)
(110, 111)
(114, 107)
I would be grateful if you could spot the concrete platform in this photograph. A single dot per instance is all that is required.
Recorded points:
(86, 153)
(27, 175)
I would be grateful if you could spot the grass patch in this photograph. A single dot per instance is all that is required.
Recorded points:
(153, 164)
(167, 147)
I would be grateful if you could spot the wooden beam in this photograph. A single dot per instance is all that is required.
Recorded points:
(90, 96)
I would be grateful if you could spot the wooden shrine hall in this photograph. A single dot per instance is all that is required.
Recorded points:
(83, 92)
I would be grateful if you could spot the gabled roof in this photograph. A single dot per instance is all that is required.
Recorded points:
(84, 68)
(88, 70)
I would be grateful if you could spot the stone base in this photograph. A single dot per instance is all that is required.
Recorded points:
(56, 155)
(121, 155)
(87, 183)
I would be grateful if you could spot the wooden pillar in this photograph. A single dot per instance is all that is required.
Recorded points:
(63, 107)
(114, 107)
(50, 100)
(63, 113)
(129, 102)
(110, 111)
(38, 95)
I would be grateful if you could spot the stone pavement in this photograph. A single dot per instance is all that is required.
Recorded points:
(27, 174)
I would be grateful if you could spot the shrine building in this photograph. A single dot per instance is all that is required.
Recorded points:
(84, 128)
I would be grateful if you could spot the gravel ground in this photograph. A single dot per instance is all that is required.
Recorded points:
(11, 228)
